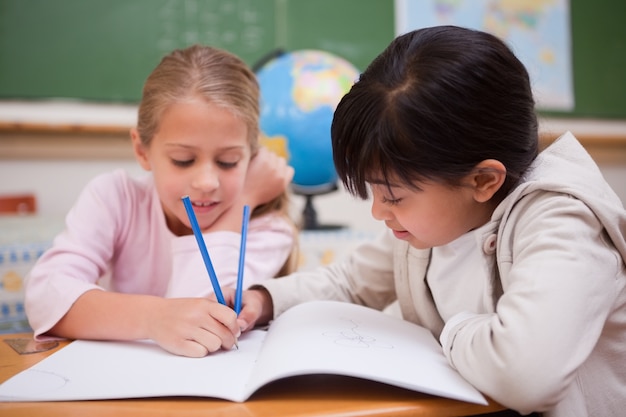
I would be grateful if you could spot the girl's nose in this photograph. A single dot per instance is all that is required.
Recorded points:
(379, 210)
(206, 179)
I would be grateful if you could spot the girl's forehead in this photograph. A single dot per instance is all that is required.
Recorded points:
(380, 177)
(393, 181)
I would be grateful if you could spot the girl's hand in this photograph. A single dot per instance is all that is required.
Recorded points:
(256, 307)
(268, 177)
(193, 327)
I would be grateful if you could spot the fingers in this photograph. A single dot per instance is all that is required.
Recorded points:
(267, 177)
(203, 342)
(217, 337)
(195, 327)
(257, 309)
(222, 324)
(289, 173)
(246, 320)
(191, 349)
(280, 167)
(229, 295)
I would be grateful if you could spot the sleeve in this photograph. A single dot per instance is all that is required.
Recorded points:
(270, 241)
(79, 256)
(365, 277)
(559, 289)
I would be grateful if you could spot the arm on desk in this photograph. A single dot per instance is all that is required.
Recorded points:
(183, 326)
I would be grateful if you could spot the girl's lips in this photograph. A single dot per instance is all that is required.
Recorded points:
(203, 207)
(401, 234)
(202, 204)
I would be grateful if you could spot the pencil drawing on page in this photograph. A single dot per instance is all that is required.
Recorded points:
(353, 337)
(46, 381)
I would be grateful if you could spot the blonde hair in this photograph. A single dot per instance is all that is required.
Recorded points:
(215, 75)
(220, 78)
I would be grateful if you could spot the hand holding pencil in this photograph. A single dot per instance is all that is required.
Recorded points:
(207, 259)
(192, 327)
(198, 326)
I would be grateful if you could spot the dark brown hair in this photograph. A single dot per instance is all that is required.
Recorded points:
(436, 102)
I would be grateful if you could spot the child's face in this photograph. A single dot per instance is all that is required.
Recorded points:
(433, 215)
(200, 150)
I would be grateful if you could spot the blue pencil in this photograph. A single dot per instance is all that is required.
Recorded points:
(203, 250)
(242, 256)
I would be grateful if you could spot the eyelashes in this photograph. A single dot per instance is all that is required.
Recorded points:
(391, 201)
(182, 164)
(190, 162)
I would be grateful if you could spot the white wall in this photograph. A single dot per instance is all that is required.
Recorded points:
(57, 183)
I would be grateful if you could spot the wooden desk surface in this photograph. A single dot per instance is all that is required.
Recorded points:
(318, 395)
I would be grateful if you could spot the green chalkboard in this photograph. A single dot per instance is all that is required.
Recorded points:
(599, 57)
(102, 50)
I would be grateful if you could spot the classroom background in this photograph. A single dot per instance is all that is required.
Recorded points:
(71, 73)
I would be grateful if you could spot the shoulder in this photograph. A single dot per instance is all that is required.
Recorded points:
(566, 167)
(546, 222)
(271, 222)
(120, 182)
(540, 207)
(542, 203)
(115, 195)
(271, 231)
(562, 174)
(118, 189)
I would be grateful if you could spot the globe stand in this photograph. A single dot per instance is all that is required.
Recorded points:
(309, 214)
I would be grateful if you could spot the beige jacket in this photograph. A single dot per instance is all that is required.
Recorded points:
(555, 340)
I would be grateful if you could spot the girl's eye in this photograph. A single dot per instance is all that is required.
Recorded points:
(183, 164)
(227, 165)
(391, 201)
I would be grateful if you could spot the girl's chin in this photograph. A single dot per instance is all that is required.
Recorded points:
(410, 239)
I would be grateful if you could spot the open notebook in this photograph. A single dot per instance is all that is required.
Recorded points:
(319, 337)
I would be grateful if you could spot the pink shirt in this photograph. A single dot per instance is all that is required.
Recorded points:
(117, 230)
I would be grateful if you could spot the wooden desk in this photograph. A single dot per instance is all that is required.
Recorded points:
(317, 395)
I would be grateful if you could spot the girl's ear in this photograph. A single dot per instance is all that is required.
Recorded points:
(487, 178)
(141, 153)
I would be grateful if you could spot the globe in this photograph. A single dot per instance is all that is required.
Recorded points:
(299, 93)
